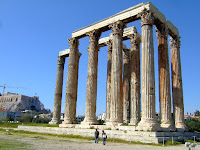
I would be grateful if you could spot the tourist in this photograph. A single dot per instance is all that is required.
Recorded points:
(96, 134)
(104, 137)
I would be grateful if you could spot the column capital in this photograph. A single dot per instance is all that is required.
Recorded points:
(73, 43)
(94, 35)
(109, 45)
(117, 27)
(175, 42)
(135, 39)
(147, 18)
(126, 54)
(162, 31)
(61, 60)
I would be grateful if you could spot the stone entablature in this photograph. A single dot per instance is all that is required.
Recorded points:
(127, 16)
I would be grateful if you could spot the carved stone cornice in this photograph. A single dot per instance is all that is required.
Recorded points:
(73, 43)
(175, 42)
(162, 31)
(147, 18)
(61, 60)
(94, 35)
(117, 27)
(109, 45)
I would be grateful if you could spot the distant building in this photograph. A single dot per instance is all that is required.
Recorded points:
(189, 117)
(102, 117)
(3, 114)
(13, 102)
(79, 118)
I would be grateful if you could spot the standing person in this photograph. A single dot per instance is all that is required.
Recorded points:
(96, 135)
(104, 137)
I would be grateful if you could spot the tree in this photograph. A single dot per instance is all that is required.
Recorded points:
(197, 113)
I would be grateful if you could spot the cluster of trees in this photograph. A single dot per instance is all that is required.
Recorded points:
(30, 118)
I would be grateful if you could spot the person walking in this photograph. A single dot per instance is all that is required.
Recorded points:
(104, 137)
(96, 135)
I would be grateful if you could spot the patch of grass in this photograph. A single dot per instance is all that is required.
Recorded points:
(39, 137)
(15, 125)
(9, 125)
(8, 144)
(169, 143)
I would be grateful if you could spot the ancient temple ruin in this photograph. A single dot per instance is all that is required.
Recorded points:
(119, 108)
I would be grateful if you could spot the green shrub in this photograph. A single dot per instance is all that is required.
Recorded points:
(26, 118)
(41, 120)
(193, 125)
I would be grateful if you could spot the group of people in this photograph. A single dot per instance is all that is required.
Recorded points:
(104, 136)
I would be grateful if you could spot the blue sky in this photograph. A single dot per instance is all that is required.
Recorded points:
(32, 32)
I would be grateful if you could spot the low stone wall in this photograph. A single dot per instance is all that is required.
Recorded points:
(127, 135)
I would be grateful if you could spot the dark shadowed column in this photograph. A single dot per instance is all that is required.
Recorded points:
(177, 87)
(164, 79)
(126, 86)
(135, 104)
(108, 90)
(58, 91)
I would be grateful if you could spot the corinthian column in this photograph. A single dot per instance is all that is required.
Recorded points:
(126, 86)
(58, 91)
(108, 90)
(177, 88)
(148, 121)
(135, 104)
(71, 88)
(91, 93)
(116, 74)
(164, 79)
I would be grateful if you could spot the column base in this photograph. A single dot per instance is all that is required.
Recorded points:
(167, 127)
(55, 121)
(134, 122)
(148, 125)
(67, 121)
(89, 122)
(181, 127)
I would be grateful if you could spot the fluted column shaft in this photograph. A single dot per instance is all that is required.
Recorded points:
(91, 93)
(135, 104)
(108, 90)
(148, 121)
(164, 79)
(126, 86)
(58, 91)
(116, 74)
(71, 88)
(76, 88)
(177, 87)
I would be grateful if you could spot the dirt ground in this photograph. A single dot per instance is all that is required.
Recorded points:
(41, 143)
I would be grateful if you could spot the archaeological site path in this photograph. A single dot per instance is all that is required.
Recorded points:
(41, 142)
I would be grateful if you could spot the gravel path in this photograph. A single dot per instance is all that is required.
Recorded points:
(40, 143)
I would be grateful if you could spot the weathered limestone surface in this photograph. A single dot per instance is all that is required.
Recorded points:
(91, 93)
(58, 91)
(71, 88)
(164, 79)
(135, 104)
(130, 135)
(177, 87)
(148, 121)
(116, 74)
(108, 90)
(126, 86)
